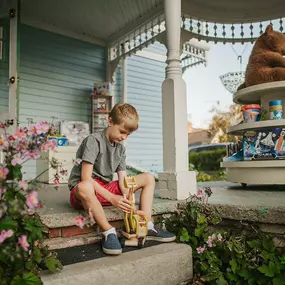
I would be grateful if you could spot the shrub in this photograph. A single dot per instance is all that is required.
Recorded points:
(207, 160)
(225, 257)
(21, 231)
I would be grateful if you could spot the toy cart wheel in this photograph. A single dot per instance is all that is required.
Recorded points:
(140, 242)
(243, 185)
(123, 242)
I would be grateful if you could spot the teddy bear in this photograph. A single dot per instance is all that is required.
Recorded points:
(266, 62)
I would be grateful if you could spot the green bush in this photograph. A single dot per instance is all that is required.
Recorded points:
(207, 160)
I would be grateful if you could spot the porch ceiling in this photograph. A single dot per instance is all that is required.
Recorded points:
(231, 11)
(100, 19)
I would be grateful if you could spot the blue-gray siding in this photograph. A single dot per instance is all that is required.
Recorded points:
(144, 79)
(4, 70)
(56, 77)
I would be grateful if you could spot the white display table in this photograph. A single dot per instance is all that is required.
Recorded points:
(65, 155)
(260, 171)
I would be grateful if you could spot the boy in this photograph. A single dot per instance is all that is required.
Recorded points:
(102, 154)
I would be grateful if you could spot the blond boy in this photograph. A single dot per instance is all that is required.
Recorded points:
(91, 185)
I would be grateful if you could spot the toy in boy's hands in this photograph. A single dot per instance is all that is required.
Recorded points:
(121, 203)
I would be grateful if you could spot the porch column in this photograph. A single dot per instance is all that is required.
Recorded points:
(13, 61)
(176, 182)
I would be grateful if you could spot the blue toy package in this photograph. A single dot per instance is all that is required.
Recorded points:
(60, 141)
(264, 145)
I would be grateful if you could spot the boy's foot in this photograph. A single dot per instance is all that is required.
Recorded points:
(158, 234)
(111, 245)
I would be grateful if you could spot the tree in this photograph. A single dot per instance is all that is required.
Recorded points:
(222, 120)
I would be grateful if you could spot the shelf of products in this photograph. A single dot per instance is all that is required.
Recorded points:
(241, 128)
(101, 105)
(261, 159)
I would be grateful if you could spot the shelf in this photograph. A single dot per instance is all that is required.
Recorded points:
(241, 128)
(102, 96)
(254, 94)
(253, 164)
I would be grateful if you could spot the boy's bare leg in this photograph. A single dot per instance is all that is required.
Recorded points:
(85, 192)
(147, 183)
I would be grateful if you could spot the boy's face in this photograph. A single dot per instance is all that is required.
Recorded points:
(117, 133)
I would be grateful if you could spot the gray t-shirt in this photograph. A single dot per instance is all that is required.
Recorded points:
(107, 158)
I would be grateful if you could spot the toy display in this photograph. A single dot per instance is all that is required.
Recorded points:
(135, 222)
(250, 113)
(263, 145)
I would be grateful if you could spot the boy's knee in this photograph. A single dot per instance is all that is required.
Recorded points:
(85, 190)
(149, 179)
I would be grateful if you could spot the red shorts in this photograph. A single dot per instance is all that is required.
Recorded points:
(112, 187)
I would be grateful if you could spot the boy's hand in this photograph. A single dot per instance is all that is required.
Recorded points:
(121, 203)
(125, 191)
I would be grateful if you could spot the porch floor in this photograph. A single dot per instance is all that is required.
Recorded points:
(230, 199)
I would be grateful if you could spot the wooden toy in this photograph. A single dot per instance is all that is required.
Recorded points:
(135, 222)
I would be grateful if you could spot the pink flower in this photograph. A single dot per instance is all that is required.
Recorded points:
(1, 239)
(34, 154)
(23, 185)
(9, 233)
(220, 238)
(49, 145)
(200, 249)
(210, 241)
(32, 200)
(16, 160)
(32, 130)
(23, 242)
(200, 193)
(42, 128)
(20, 134)
(3, 143)
(79, 221)
(3, 172)
(4, 234)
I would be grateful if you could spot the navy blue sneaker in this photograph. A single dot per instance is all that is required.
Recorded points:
(158, 234)
(111, 245)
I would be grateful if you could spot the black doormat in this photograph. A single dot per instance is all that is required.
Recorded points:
(87, 252)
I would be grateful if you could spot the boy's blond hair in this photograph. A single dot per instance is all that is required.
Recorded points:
(125, 114)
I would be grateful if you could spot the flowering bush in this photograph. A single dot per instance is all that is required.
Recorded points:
(21, 231)
(225, 257)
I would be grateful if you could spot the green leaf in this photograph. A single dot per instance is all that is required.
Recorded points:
(28, 278)
(269, 270)
(268, 245)
(201, 219)
(37, 254)
(7, 223)
(184, 235)
(53, 264)
(256, 244)
(17, 172)
(279, 281)
(222, 281)
(232, 276)
(234, 265)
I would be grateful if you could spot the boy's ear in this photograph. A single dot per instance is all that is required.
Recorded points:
(110, 121)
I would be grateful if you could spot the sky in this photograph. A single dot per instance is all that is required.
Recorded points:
(204, 86)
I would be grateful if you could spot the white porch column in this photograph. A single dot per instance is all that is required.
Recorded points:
(176, 182)
(13, 61)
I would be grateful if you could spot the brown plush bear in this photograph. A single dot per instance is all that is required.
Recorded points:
(266, 62)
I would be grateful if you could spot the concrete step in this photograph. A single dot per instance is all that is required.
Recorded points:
(163, 264)
(58, 217)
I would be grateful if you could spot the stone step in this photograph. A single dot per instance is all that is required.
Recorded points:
(58, 217)
(163, 264)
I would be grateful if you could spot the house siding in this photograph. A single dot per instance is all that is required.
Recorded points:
(145, 146)
(4, 70)
(56, 78)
